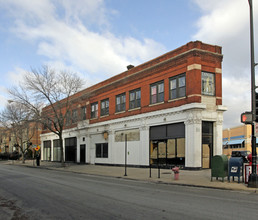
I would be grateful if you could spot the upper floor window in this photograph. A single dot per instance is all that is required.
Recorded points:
(135, 98)
(47, 124)
(157, 92)
(68, 118)
(177, 87)
(104, 107)
(83, 113)
(120, 102)
(208, 83)
(94, 110)
(74, 116)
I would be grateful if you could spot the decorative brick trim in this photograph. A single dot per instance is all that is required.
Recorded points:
(193, 95)
(194, 67)
(218, 70)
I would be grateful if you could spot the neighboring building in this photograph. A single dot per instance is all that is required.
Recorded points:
(237, 138)
(4, 140)
(8, 138)
(169, 109)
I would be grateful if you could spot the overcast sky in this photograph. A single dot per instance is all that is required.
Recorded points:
(99, 38)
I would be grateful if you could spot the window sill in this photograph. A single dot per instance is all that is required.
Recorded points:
(103, 116)
(117, 113)
(208, 94)
(176, 99)
(134, 109)
(93, 119)
(159, 103)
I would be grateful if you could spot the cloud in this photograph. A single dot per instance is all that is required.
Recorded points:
(3, 97)
(226, 23)
(64, 34)
(16, 76)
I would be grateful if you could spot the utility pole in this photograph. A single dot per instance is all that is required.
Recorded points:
(253, 178)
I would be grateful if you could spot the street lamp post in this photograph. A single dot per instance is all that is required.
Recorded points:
(253, 178)
(125, 155)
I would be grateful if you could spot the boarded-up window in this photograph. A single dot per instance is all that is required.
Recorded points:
(171, 151)
(132, 135)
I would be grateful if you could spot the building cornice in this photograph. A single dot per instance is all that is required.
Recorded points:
(155, 67)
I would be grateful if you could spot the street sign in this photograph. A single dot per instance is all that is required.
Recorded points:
(37, 148)
(247, 118)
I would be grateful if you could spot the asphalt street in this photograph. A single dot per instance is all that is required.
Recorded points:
(30, 193)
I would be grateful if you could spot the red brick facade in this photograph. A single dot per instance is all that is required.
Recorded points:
(190, 59)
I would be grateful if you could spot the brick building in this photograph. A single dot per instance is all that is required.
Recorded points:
(237, 139)
(28, 134)
(168, 110)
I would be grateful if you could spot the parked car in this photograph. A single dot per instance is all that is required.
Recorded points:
(244, 154)
(15, 155)
(4, 156)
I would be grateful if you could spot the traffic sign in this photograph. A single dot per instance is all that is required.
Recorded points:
(37, 148)
(247, 118)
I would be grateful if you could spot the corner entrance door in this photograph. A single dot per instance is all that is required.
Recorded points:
(82, 153)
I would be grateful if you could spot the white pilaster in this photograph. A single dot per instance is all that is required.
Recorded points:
(52, 150)
(144, 137)
(193, 138)
(218, 135)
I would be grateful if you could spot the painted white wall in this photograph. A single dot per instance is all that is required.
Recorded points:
(191, 114)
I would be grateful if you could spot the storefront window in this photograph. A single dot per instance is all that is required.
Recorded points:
(168, 152)
(56, 150)
(47, 150)
(102, 150)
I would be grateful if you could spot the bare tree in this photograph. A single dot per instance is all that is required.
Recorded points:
(19, 122)
(51, 90)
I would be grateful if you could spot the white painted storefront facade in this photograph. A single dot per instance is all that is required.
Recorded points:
(137, 128)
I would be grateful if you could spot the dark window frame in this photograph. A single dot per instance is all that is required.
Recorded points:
(94, 113)
(56, 148)
(101, 150)
(120, 107)
(83, 113)
(175, 93)
(104, 111)
(68, 118)
(74, 116)
(134, 103)
(159, 94)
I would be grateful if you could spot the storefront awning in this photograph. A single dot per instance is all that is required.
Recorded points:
(232, 142)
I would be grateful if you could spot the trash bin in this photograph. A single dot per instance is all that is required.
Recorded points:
(235, 168)
(38, 159)
(219, 166)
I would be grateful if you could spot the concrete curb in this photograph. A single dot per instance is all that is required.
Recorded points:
(250, 190)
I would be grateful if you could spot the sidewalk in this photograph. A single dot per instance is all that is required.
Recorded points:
(200, 178)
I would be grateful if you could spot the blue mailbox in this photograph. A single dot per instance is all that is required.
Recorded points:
(235, 168)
